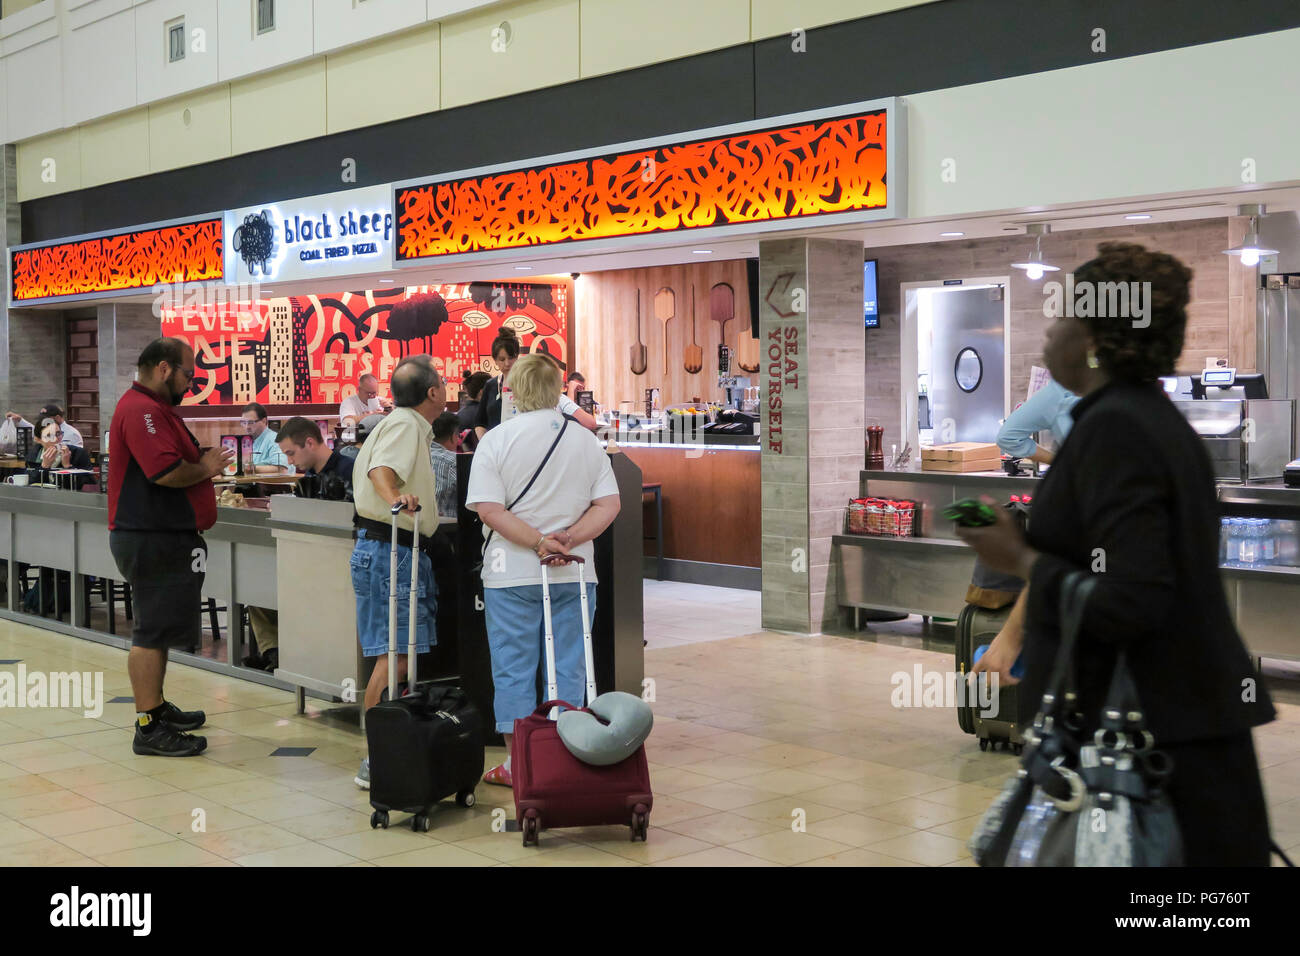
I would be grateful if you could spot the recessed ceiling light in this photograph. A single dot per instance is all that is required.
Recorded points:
(1138, 215)
(385, 280)
(701, 252)
(523, 268)
(951, 235)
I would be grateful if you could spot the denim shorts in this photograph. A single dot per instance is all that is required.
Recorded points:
(516, 637)
(370, 568)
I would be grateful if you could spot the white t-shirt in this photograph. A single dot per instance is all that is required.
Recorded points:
(353, 407)
(577, 473)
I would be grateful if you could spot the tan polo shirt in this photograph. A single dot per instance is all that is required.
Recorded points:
(401, 442)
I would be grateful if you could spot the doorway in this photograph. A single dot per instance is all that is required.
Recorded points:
(954, 353)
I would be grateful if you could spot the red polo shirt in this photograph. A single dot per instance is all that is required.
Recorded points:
(146, 441)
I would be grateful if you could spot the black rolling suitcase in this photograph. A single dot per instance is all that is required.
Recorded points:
(424, 746)
(977, 626)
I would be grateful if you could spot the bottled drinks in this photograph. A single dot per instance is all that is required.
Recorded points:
(1232, 541)
(1249, 541)
(1268, 542)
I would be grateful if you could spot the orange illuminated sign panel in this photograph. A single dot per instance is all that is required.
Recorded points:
(832, 166)
(125, 261)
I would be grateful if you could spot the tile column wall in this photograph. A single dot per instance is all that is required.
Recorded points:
(124, 330)
(812, 353)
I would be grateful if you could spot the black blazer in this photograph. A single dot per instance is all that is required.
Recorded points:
(1132, 487)
(489, 405)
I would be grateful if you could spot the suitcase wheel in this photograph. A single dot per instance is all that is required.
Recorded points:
(984, 743)
(420, 823)
(531, 827)
(640, 823)
(466, 798)
(379, 819)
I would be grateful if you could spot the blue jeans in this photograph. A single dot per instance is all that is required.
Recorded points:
(517, 638)
(370, 568)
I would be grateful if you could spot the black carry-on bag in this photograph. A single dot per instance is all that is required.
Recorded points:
(427, 745)
(978, 626)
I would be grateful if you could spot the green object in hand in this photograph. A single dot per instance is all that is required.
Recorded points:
(970, 513)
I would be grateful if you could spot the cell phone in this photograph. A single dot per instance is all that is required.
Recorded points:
(971, 513)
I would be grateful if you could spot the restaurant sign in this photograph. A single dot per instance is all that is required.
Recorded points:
(343, 233)
(116, 262)
(828, 167)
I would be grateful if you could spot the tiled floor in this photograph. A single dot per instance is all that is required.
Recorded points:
(753, 735)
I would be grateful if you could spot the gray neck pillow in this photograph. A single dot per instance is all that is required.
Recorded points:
(618, 724)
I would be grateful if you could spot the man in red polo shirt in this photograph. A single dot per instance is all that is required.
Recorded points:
(160, 497)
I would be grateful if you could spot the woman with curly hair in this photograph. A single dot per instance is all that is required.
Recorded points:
(1131, 499)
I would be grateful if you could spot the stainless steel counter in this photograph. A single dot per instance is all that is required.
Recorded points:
(928, 574)
(68, 531)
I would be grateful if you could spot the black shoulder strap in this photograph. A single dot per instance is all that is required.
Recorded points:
(531, 481)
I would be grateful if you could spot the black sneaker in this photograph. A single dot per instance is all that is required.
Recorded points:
(183, 719)
(166, 741)
(271, 660)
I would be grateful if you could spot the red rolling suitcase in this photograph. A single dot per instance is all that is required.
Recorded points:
(552, 787)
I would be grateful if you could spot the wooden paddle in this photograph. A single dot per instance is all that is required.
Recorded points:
(693, 356)
(665, 308)
(639, 356)
(747, 354)
(722, 307)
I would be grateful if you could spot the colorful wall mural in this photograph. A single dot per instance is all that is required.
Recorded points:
(313, 348)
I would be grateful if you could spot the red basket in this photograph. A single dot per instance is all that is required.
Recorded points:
(886, 517)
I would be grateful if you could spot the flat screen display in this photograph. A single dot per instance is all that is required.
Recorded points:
(869, 309)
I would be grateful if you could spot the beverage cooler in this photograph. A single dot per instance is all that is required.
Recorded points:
(1259, 553)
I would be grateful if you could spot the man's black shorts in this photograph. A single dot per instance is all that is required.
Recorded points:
(165, 570)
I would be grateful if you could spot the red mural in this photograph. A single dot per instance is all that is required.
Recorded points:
(824, 166)
(188, 252)
(313, 348)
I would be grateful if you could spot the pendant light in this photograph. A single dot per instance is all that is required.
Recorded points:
(1034, 266)
(1250, 250)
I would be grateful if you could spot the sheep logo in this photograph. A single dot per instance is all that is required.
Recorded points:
(254, 240)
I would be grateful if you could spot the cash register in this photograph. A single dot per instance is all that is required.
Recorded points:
(1248, 436)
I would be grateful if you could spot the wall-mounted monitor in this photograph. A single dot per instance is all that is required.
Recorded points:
(870, 309)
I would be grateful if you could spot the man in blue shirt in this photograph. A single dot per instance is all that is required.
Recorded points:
(1048, 409)
(268, 459)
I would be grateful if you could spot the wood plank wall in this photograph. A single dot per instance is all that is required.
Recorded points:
(605, 330)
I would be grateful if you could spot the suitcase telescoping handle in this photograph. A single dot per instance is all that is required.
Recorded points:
(392, 602)
(552, 688)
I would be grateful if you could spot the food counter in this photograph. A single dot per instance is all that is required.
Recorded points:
(294, 558)
(712, 508)
(928, 572)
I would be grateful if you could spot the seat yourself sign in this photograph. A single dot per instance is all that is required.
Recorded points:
(344, 233)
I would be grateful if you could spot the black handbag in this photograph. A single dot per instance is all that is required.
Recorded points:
(1080, 799)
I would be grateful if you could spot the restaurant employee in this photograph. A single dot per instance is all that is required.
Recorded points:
(505, 349)
(160, 498)
(1048, 409)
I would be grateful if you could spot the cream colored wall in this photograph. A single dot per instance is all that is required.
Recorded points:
(419, 70)
(13, 6)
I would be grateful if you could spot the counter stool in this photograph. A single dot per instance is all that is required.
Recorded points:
(656, 488)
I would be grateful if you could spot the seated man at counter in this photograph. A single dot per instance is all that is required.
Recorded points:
(71, 437)
(442, 455)
(365, 402)
(303, 446)
(267, 457)
(393, 468)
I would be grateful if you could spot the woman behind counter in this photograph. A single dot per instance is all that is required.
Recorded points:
(1132, 485)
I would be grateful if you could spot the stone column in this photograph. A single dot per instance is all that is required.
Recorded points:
(124, 330)
(813, 349)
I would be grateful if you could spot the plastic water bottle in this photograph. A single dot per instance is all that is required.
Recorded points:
(1249, 542)
(1232, 542)
(1268, 544)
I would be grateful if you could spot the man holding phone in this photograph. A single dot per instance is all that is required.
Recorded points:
(160, 500)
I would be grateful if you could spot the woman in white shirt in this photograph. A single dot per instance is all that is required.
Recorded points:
(572, 499)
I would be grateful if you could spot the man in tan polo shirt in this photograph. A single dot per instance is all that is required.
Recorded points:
(393, 466)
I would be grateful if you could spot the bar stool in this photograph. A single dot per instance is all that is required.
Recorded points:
(656, 488)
